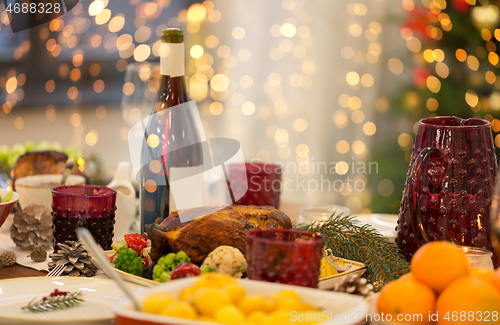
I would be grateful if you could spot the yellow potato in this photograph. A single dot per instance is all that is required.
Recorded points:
(155, 302)
(187, 294)
(213, 280)
(290, 304)
(280, 317)
(257, 317)
(205, 319)
(253, 303)
(229, 315)
(285, 294)
(235, 291)
(208, 300)
(180, 309)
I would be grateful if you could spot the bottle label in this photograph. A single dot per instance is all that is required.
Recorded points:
(186, 187)
(172, 59)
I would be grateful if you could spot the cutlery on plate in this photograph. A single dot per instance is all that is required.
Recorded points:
(103, 262)
(57, 270)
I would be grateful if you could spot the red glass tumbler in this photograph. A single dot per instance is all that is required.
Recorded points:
(286, 256)
(92, 207)
(263, 181)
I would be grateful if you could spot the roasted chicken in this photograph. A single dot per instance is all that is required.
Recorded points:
(216, 227)
(41, 162)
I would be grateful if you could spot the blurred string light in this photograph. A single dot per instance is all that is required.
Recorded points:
(209, 63)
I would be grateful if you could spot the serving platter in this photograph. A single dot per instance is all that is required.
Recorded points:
(326, 283)
(341, 308)
(99, 296)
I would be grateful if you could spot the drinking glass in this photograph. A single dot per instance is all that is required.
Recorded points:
(449, 185)
(263, 181)
(478, 257)
(89, 206)
(285, 255)
(319, 213)
(141, 86)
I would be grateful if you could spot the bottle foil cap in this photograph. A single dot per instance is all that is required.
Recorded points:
(172, 35)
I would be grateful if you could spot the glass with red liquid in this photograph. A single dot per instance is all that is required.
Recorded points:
(286, 256)
(263, 181)
(92, 207)
(449, 185)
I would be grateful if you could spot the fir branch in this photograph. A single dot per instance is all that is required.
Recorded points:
(54, 302)
(350, 240)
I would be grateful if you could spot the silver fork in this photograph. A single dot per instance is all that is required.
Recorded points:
(57, 270)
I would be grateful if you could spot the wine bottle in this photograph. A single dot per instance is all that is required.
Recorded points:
(172, 140)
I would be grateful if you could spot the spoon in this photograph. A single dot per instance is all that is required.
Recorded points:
(69, 166)
(103, 262)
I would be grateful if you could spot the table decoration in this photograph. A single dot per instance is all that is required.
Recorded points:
(75, 257)
(38, 255)
(348, 239)
(56, 300)
(32, 228)
(8, 259)
(354, 284)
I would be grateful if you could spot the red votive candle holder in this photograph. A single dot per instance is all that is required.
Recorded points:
(92, 207)
(263, 181)
(286, 256)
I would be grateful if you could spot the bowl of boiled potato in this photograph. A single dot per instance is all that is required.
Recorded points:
(220, 299)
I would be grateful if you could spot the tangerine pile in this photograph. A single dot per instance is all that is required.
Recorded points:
(442, 289)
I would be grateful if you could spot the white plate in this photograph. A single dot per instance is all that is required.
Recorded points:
(346, 309)
(383, 223)
(329, 282)
(99, 297)
(324, 283)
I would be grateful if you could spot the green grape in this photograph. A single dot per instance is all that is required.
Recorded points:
(11, 161)
(56, 145)
(29, 145)
(42, 146)
(18, 149)
(4, 153)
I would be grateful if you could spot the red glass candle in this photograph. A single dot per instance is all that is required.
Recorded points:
(92, 207)
(285, 255)
(263, 181)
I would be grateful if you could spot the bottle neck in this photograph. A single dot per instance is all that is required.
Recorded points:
(172, 59)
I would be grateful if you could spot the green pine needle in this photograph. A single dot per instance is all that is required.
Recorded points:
(350, 240)
(55, 302)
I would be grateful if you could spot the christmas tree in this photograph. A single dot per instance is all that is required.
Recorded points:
(454, 46)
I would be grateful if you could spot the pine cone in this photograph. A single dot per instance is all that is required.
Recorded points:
(75, 257)
(354, 284)
(32, 228)
(8, 259)
(38, 255)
